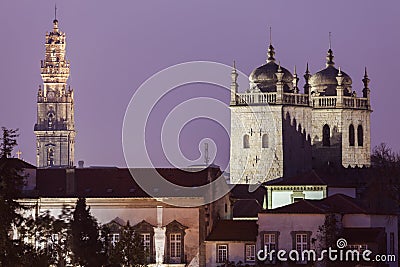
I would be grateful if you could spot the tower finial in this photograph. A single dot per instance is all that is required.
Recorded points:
(366, 81)
(270, 35)
(271, 50)
(295, 81)
(234, 64)
(330, 40)
(307, 77)
(55, 11)
(329, 55)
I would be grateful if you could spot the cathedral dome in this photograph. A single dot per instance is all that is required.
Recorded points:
(324, 81)
(328, 76)
(264, 77)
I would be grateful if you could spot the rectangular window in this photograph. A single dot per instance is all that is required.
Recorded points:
(269, 242)
(358, 247)
(114, 239)
(146, 241)
(175, 247)
(145, 237)
(301, 242)
(250, 252)
(222, 253)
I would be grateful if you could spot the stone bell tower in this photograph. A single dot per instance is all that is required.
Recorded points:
(54, 128)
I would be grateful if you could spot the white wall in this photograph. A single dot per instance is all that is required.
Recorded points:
(283, 198)
(236, 252)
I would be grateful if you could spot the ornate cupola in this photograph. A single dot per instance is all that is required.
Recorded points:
(264, 78)
(324, 82)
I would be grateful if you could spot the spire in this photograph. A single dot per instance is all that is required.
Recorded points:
(329, 55)
(271, 50)
(279, 73)
(234, 74)
(295, 81)
(55, 21)
(366, 81)
(234, 84)
(307, 77)
(340, 78)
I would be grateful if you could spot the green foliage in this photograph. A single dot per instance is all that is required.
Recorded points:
(129, 251)
(52, 237)
(86, 243)
(8, 141)
(329, 233)
(11, 182)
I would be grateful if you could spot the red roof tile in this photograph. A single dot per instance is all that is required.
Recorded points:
(113, 182)
(338, 203)
(232, 230)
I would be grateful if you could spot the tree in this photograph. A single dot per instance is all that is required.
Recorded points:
(328, 234)
(129, 250)
(11, 182)
(8, 141)
(86, 244)
(51, 237)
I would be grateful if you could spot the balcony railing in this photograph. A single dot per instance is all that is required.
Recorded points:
(354, 102)
(256, 98)
(271, 98)
(302, 100)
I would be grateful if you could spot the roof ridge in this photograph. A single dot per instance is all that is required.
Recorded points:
(346, 198)
(308, 201)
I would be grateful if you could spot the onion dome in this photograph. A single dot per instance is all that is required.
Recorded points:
(324, 81)
(264, 78)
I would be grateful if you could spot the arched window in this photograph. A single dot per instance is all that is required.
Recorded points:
(351, 135)
(50, 157)
(360, 135)
(246, 142)
(326, 135)
(50, 119)
(265, 141)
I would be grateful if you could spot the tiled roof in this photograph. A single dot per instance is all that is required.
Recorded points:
(338, 203)
(15, 162)
(244, 191)
(113, 182)
(246, 208)
(332, 177)
(363, 235)
(232, 230)
(309, 178)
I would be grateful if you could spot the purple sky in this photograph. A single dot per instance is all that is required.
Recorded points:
(114, 46)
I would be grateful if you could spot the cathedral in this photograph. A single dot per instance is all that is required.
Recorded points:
(279, 131)
(54, 128)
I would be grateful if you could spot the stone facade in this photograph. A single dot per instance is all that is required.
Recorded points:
(54, 128)
(278, 131)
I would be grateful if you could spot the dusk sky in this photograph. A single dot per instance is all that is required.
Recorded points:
(114, 46)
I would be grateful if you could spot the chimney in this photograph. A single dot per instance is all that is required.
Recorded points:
(80, 164)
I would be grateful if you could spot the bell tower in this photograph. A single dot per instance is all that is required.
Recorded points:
(54, 128)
